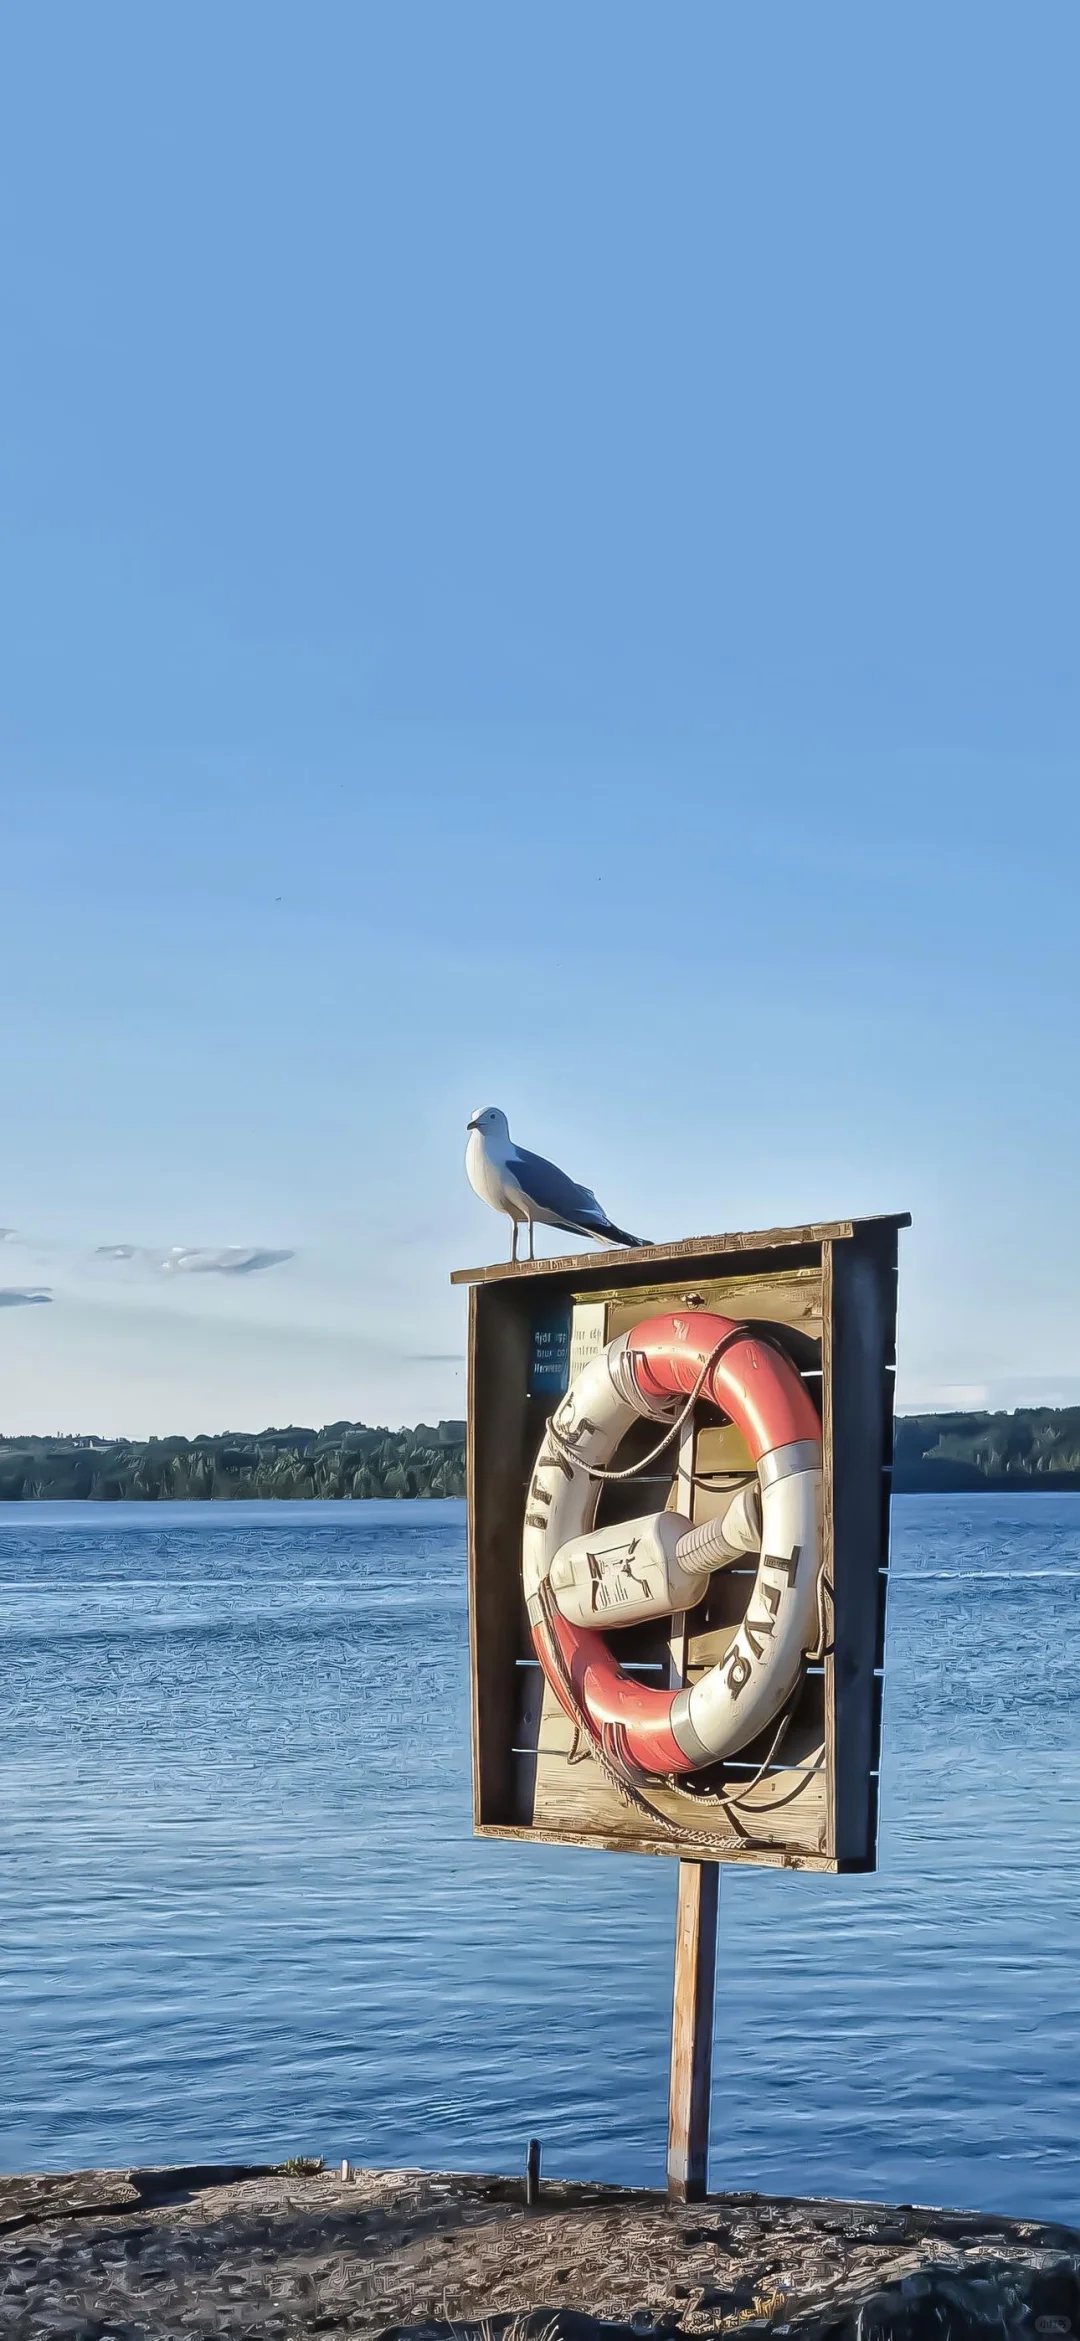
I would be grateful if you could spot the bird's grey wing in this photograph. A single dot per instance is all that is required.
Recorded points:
(547, 1185)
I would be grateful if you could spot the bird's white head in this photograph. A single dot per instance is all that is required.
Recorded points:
(492, 1124)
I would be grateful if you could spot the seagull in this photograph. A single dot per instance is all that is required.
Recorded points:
(528, 1188)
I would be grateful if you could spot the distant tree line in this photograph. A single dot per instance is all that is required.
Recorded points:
(1035, 1446)
(345, 1459)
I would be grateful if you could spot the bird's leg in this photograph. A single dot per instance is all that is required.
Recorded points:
(513, 1247)
(532, 1241)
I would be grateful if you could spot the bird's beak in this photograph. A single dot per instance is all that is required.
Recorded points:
(473, 1125)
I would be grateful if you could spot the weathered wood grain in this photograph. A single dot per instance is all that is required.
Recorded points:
(790, 1297)
(786, 1811)
(690, 2088)
(786, 1808)
(595, 1267)
(756, 1856)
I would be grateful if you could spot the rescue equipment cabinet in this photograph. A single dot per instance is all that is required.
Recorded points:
(827, 1295)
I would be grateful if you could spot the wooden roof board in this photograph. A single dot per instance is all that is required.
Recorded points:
(688, 1248)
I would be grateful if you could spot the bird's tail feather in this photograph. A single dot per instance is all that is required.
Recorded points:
(602, 1231)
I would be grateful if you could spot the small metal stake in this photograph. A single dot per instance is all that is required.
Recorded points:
(532, 2173)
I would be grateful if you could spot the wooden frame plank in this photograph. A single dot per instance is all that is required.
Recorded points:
(861, 1361)
(596, 1841)
(828, 1540)
(689, 1248)
(498, 1377)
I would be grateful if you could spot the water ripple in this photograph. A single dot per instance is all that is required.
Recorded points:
(242, 1911)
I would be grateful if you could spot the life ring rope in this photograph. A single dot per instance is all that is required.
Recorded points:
(615, 1761)
(596, 1471)
(565, 1446)
(624, 1776)
(622, 1773)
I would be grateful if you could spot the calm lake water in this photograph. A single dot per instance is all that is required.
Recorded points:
(242, 1913)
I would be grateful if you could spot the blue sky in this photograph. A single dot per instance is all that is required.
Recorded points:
(539, 566)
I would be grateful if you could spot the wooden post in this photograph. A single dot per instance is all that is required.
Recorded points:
(692, 2031)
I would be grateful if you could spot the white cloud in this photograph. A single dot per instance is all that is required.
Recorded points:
(229, 1260)
(198, 1260)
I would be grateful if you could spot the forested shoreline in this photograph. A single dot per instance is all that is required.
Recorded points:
(1031, 1447)
(344, 1459)
(1034, 1446)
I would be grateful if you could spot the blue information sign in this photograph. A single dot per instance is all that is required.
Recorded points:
(549, 1360)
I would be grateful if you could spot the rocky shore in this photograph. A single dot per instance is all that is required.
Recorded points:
(253, 2254)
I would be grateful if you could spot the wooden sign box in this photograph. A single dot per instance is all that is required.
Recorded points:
(829, 1295)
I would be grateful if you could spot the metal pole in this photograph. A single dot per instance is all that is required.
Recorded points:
(692, 2030)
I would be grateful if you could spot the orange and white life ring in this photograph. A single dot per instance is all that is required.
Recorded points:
(655, 1566)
